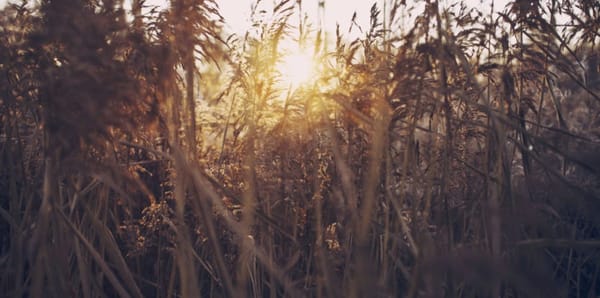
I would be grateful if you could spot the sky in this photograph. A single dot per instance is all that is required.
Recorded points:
(336, 11)
(236, 12)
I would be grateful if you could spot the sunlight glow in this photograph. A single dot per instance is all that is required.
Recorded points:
(296, 68)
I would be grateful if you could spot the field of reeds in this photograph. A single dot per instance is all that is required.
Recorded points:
(448, 151)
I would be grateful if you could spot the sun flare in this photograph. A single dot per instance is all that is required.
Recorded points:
(296, 68)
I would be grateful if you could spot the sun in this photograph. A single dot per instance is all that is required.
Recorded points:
(296, 68)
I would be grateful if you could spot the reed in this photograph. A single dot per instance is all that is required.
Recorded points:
(446, 153)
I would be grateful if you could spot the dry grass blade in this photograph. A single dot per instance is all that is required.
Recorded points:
(111, 247)
(112, 278)
(204, 185)
(84, 272)
(563, 243)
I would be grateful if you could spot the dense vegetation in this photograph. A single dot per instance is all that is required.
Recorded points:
(447, 152)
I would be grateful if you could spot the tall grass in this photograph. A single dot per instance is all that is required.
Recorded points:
(451, 153)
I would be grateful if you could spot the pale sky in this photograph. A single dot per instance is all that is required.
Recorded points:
(236, 12)
(336, 11)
